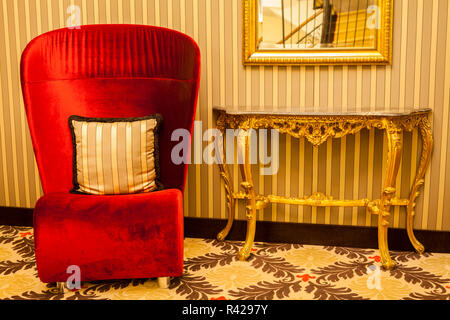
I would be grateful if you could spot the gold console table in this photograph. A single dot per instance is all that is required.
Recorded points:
(317, 128)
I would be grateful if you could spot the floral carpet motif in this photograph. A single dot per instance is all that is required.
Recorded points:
(273, 271)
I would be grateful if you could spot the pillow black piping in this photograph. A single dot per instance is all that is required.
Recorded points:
(158, 117)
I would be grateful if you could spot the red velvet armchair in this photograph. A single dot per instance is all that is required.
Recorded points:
(108, 71)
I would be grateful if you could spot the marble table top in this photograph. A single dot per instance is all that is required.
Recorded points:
(284, 111)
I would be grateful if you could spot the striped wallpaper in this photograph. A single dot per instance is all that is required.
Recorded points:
(350, 168)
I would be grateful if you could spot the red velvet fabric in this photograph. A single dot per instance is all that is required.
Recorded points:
(108, 71)
(109, 237)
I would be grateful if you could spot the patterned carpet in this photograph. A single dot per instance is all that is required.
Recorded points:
(274, 271)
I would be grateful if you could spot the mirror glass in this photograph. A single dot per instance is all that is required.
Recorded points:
(312, 24)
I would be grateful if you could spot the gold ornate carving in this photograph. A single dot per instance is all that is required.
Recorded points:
(319, 196)
(317, 129)
(252, 55)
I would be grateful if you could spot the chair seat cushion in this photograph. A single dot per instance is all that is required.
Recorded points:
(109, 237)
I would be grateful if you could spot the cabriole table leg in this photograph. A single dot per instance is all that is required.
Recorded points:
(393, 163)
(247, 184)
(225, 174)
(427, 146)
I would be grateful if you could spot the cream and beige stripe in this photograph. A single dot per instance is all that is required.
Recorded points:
(315, 158)
(238, 83)
(431, 103)
(329, 165)
(209, 73)
(417, 85)
(114, 163)
(301, 184)
(287, 217)
(14, 132)
(422, 83)
(371, 146)
(357, 152)
(276, 157)
(401, 106)
(115, 157)
(342, 163)
(196, 192)
(262, 104)
(440, 210)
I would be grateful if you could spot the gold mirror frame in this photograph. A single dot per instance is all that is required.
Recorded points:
(381, 55)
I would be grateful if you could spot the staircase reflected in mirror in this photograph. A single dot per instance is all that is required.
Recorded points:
(318, 24)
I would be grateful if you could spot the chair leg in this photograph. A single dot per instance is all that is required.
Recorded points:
(164, 282)
(61, 286)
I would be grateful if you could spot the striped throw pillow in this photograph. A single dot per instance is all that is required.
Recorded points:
(115, 155)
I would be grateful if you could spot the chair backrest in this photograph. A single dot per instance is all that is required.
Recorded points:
(107, 71)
